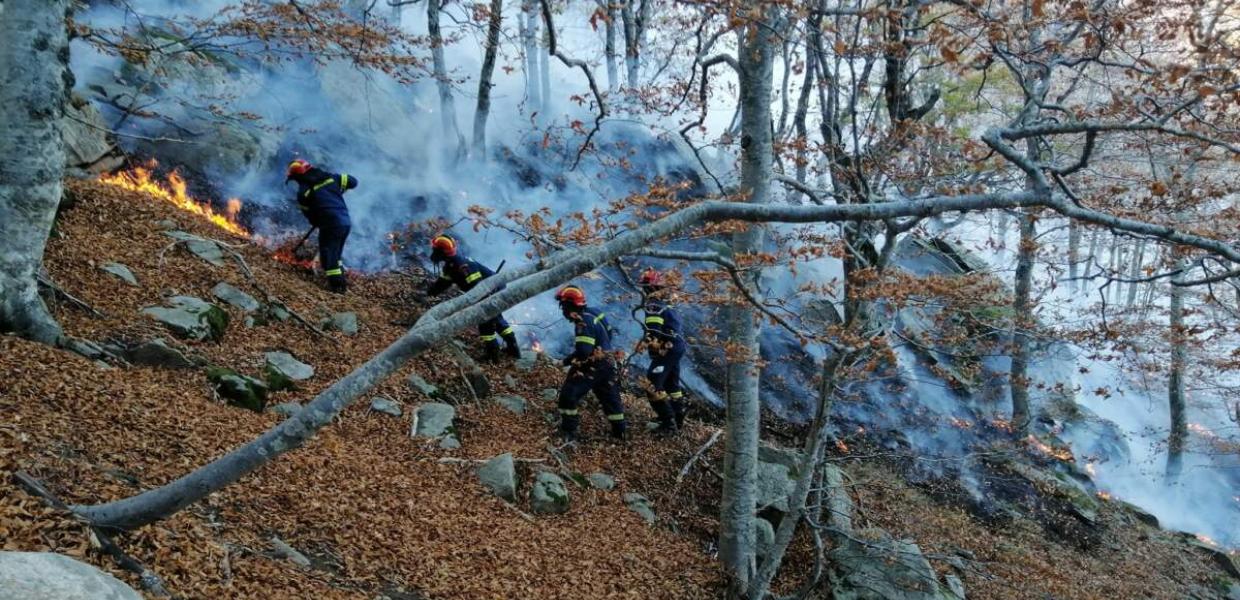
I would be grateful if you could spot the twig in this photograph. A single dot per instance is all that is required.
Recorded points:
(696, 455)
(513, 507)
(150, 581)
(59, 291)
(448, 460)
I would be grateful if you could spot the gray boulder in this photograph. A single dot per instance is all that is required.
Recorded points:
(157, 353)
(386, 406)
(283, 370)
(88, 149)
(289, 553)
(642, 506)
(421, 386)
(239, 390)
(775, 483)
(120, 271)
(436, 420)
(203, 248)
(514, 404)
(883, 569)
(49, 576)
(499, 476)
(230, 294)
(527, 362)
(601, 481)
(190, 318)
(550, 394)
(345, 322)
(549, 495)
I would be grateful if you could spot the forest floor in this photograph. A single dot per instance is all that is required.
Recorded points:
(377, 511)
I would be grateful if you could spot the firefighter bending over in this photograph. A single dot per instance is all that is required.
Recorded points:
(666, 345)
(321, 197)
(592, 367)
(466, 273)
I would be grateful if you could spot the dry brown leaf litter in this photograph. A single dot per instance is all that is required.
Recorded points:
(374, 509)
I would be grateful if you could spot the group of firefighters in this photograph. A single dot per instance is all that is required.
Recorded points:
(592, 365)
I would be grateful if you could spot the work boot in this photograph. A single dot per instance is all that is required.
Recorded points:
(618, 430)
(337, 284)
(511, 348)
(568, 428)
(491, 353)
(678, 412)
(667, 419)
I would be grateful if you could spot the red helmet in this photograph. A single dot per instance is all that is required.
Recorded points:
(443, 245)
(651, 278)
(298, 167)
(572, 295)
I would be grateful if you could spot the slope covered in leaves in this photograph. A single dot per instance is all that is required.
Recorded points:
(376, 511)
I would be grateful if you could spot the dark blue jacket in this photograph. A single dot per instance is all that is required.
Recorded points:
(464, 272)
(663, 333)
(592, 336)
(321, 197)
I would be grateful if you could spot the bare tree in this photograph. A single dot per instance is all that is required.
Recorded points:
(34, 52)
(494, 23)
(447, 105)
(530, 21)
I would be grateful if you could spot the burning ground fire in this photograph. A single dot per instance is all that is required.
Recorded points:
(1062, 454)
(141, 179)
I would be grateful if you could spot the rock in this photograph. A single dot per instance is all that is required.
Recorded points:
(202, 248)
(764, 534)
(120, 271)
(775, 483)
(190, 318)
(385, 406)
(1140, 514)
(345, 322)
(550, 495)
(166, 224)
(499, 476)
(514, 404)
(640, 505)
(551, 394)
(289, 553)
(435, 420)
(240, 390)
(283, 370)
(286, 409)
(421, 386)
(601, 481)
(882, 569)
(1233, 592)
(157, 353)
(88, 149)
(527, 362)
(511, 381)
(49, 576)
(278, 312)
(229, 294)
(769, 453)
(85, 348)
(954, 586)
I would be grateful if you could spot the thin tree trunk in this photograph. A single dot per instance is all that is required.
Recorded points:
(634, 26)
(1022, 320)
(544, 73)
(447, 106)
(1074, 250)
(1138, 261)
(736, 520)
(34, 54)
(529, 41)
(609, 49)
(802, 110)
(484, 79)
(1093, 254)
(1178, 434)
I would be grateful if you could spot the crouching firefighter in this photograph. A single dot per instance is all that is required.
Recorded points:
(666, 346)
(321, 197)
(592, 367)
(466, 273)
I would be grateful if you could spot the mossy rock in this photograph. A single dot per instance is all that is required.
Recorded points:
(237, 389)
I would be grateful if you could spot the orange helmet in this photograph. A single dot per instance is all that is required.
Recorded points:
(651, 278)
(571, 295)
(443, 246)
(298, 167)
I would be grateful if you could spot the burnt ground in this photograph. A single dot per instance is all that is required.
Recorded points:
(377, 511)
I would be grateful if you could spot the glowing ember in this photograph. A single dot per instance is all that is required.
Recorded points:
(1089, 468)
(1057, 453)
(1105, 496)
(1207, 540)
(140, 179)
(959, 423)
(842, 446)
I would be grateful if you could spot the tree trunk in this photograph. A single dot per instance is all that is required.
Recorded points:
(34, 55)
(1074, 250)
(1022, 321)
(544, 73)
(484, 79)
(1138, 261)
(609, 49)
(736, 520)
(1091, 256)
(1178, 434)
(634, 34)
(529, 41)
(802, 110)
(447, 106)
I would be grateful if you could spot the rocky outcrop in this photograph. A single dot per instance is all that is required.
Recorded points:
(190, 318)
(48, 576)
(874, 566)
(89, 149)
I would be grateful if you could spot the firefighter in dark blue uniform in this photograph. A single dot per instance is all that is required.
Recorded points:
(666, 345)
(592, 367)
(321, 197)
(466, 273)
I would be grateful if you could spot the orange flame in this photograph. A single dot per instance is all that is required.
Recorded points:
(1062, 454)
(1205, 539)
(1105, 496)
(140, 179)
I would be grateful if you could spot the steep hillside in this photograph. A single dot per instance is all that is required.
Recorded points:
(381, 513)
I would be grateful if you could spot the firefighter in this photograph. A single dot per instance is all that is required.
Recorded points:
(321, 197)
(467, 273)
(591, 366)
(665, 343)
